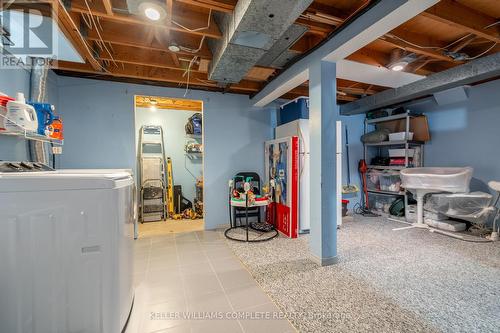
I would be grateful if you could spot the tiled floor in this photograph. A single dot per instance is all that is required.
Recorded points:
(179, 276)
(170, 226)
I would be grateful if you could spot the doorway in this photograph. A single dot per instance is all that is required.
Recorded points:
(169, 151)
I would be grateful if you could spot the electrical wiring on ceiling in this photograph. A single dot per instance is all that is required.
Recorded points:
(482, 53)
(428, 47)
(95, 24)
(452, 43)
(190, 50)
(187, 49)
(196, 29)
(491, 25)
(188, 73)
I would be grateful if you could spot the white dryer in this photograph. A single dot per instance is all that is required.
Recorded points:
(66, 249)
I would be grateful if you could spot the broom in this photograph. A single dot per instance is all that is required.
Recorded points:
(349, 188)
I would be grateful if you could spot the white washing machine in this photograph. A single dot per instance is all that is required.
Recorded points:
(66, 249)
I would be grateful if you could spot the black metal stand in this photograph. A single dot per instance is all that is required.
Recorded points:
(273, 232)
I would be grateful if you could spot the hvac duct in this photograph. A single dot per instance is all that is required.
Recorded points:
(249, 33)
(38, 151)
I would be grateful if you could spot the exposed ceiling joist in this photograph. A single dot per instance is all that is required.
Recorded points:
(162, 59)
(417, 40)
(69, 28)
(370, 57)
(477, 70)
(108, 6)
(125, 40)
(376, 21)
(168, 19)
(468, 19)
(142, 57)
(189, 19)
(225, 6)
(161, 75)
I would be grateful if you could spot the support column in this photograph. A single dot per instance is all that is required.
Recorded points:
(323, 112)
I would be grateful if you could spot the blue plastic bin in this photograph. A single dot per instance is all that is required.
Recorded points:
(299, 109)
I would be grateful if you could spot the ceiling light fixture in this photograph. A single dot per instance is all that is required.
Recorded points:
(400, 60)
(152, 11)
(173, 47)
(398, 66)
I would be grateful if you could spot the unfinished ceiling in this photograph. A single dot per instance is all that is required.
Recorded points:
(211, 45)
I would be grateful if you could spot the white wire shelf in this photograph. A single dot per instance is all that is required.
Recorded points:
(395, 143)
(389, 118)
(387, 167)
(33, 137)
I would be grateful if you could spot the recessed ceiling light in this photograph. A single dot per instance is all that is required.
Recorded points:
(398, 66)
(173, 47)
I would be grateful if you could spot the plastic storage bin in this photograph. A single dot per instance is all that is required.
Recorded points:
(401, 152)
(399, 136)
(298, 109)
(380, 202)
(390, 181)
(373, 179)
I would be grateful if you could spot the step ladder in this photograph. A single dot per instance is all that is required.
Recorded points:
(153, 178)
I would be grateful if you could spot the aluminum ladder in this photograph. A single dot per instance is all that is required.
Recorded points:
(153, 178)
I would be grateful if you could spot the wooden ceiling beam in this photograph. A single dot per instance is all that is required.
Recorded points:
(72, 32)
(369, 56)
(161, 75)
(162, 59)
(316, 28)
(108, 6)
(464, 18)
(187, 19)
(142, 57)
(226, 6)
(258, 73)
(137, 39)
(168, 19)
(305, 43)
(330, 12)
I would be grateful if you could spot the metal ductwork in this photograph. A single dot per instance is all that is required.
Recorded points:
(249, 33)
(38, 151)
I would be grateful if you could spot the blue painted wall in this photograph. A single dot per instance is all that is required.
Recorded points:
(13, 81)
(186, 168)
(467, 133)
(99, 133)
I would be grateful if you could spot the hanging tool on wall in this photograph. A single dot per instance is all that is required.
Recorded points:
(349, 188)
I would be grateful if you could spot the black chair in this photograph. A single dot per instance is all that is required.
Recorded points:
(239, 180)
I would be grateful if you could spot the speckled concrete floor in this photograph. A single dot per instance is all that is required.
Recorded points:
(386, 281)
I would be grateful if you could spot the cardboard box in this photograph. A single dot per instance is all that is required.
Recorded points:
(418, 125)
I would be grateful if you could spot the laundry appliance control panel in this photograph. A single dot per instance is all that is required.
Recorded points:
(23, 167)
